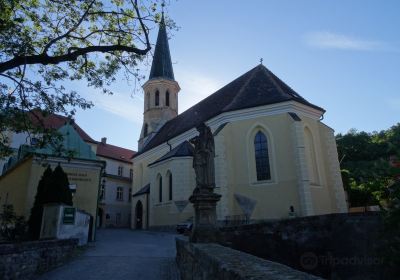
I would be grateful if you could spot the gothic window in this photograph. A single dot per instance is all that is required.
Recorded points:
(145, 130)
(160, 188)
(167, 98)
(170, 185)
(157, 98)
(262, 158)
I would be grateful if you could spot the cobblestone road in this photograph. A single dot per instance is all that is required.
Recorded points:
(123, 254)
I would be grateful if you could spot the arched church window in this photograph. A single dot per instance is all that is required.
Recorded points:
(145, 130)
(157, 98)
(167, 98)
(160, 188)
(170, 185)
(262, 158)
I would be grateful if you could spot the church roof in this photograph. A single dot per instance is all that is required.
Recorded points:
(257, 87)
(184, 149)
(114, 152)
(56, 121)
(162, 65)
(72, 141)
(145, 189)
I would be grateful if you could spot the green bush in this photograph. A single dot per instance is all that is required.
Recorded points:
(12, 226)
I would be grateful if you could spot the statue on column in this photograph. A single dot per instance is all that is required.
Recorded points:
(204, 199)
(203, 159)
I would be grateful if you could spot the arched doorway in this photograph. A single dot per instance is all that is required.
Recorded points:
(139, 215)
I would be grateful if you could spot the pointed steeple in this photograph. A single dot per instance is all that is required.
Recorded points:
(162, 65)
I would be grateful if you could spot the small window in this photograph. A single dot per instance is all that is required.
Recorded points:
(160, 189)
(262, 157)
(120, 170)
(167, 98)
(107, 216)
(120, 193)
(131, 173)
(157, 99)
(170, 186)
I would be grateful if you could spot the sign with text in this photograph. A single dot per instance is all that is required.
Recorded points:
(69, 215)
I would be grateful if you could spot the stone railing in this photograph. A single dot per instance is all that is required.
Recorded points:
(208, 261)
(335, 246)
(27, 259)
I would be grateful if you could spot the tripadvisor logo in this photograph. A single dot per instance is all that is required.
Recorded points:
(309, 260)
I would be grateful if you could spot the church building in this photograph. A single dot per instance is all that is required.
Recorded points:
(274, 158)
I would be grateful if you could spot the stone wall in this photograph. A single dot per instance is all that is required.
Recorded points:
(25, 260)
(208, 261)
(336, 246)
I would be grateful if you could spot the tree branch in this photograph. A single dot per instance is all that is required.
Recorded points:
(72, 55)
(49, 44)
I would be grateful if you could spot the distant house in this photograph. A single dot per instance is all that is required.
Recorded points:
(110, 191)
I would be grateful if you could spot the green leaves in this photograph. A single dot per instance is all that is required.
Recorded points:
(46, 42)
(366, 163)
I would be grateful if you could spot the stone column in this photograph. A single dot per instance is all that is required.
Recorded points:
(303, 181)
(205, 217)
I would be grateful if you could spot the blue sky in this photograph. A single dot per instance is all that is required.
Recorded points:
(341, 55)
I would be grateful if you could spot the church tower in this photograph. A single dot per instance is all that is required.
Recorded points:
(160, 91)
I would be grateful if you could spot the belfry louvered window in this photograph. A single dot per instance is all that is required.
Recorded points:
(157, 98)
(167, 98)
(262, 157)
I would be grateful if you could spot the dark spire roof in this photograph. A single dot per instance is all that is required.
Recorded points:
(162, 65)
(257, 87)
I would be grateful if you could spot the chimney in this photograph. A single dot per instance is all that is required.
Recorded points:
(104, 140)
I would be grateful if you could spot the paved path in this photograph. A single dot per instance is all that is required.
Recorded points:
(123, 254)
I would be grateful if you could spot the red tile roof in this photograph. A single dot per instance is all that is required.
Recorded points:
(56, 121)
(114, 152)
(104, 150)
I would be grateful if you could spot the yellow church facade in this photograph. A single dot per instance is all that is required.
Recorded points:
(274, 158)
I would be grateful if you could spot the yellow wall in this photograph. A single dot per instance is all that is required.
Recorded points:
(273, 197)
(166, 212)
(21, 184)
(296, 170)
(15, 184)
(86, 179)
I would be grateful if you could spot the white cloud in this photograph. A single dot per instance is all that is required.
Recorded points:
(121, 104)
(329, 40)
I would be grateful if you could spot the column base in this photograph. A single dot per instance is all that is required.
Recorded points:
(205, 219)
